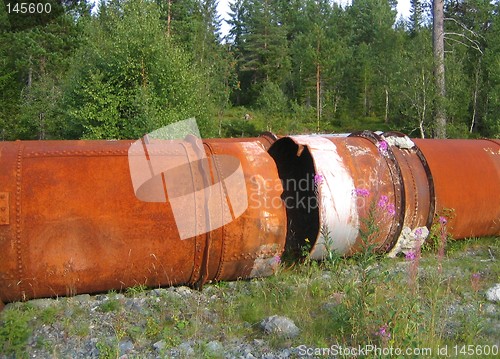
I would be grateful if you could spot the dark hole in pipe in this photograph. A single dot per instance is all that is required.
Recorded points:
(296, 172)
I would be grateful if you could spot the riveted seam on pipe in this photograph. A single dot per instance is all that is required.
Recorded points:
(427, 170)
(197, 218)
(225, 247)
(20, 267)
(398, 185)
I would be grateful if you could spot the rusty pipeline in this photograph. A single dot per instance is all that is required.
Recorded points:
(73, 219)
(337, 186)
(72, 224)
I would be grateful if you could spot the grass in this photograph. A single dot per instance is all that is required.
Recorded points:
(233, 123)
(356, 301)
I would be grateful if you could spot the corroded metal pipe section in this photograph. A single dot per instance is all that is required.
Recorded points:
(75, 219)
(331, 185)
(71, 222)
(384, 190)
(466, 175)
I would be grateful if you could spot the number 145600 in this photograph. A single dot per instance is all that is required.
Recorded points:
(29, 8)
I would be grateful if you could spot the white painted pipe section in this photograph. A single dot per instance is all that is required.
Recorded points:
(338, 213)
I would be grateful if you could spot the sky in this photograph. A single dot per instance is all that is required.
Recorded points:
(223, 9)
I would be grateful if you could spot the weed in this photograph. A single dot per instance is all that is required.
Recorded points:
(15, 330)
(110, 305)
(136, 290)
(106, 350)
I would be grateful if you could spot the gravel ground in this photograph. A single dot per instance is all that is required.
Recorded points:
(179, 322)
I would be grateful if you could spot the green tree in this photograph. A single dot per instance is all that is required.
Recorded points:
(129, 78)
(260, 46)
(35, 59)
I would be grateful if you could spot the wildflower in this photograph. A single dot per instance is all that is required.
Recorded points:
(318, 179)
(277, 259)
(382, 147)
(475, 282)
(443, 220)
(410, 256)
(418, 233)
(391, 209)
(362, 192)
(383, 332)
(382, 202)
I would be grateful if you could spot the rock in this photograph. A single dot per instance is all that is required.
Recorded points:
(158, 292)
(490, 309)
(493, 294)
(160, 345)
(186, 349)
(82, 298)
(42, 303)
(125, 347)
(280, 325)
(214, 347)
(183, 291)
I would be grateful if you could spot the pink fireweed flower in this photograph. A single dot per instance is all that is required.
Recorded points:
(382, 202)
(410, 256)
(391, 209)
(361, 192)
(277, 259)
(443, 220)
(318, 179)
(382, 147)
(418, 233)
(475, 282)
(383, 332)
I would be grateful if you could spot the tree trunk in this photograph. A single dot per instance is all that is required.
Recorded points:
(318, 95)
(318, 85)
(386, 117)
(474, 103)
(169, 17)
(439, 70)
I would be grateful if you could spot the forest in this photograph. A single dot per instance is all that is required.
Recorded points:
(288, 66)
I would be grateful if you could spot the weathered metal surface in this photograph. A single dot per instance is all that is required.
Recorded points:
(418, 190)
(76, 225)
(4, 208)
(72, 220)
(466, 176)
(342, 178)
(396, 185)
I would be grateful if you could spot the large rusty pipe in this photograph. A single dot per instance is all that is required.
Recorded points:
(398, 184)
(466, 175)
(71, 223)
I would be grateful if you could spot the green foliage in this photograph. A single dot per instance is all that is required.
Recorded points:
(15, 330)
(302, 66)
(110, 305)
(133, 79)
(106, 350)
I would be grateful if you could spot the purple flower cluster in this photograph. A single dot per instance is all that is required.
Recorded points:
(418, 233)
(383, 203)
(410, 256)
(361, 192)
(443, 220)
(318, 179)
(383, 332)
(383, 147)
